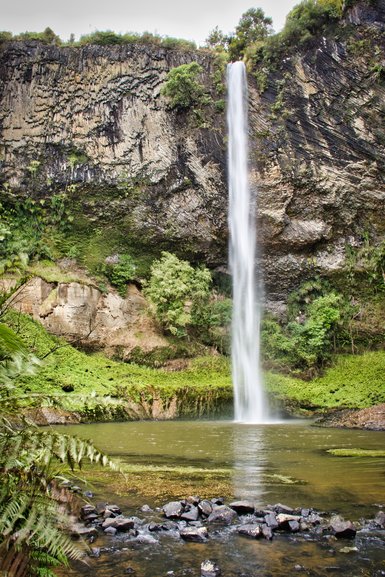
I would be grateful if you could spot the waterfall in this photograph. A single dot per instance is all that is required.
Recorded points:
(249, 399)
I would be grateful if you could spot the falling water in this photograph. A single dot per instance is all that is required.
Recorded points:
(249, 399)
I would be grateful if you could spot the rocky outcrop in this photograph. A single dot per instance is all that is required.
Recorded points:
(82, 313)
(92, 121)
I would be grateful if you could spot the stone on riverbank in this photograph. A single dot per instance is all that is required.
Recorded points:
(194, 534)
(342, 529)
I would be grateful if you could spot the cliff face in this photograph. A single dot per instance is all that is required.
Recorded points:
(91, 121)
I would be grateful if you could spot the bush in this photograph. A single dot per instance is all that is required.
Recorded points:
(175, 289)
(121, 272)
(182, 87)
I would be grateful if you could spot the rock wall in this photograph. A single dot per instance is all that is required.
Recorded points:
(92, 121)
(84, 315)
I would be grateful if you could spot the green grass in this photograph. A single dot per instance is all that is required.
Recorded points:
(75, 380)
(354, 381)
(97, 385)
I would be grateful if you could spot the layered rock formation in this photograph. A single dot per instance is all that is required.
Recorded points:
(91, 121)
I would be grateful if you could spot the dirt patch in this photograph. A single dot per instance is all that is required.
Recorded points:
(372, 418)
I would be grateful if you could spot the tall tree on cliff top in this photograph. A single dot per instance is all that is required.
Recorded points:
(253, 27)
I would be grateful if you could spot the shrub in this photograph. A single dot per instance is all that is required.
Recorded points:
(182, 87)
(175, 289)
(121, 272)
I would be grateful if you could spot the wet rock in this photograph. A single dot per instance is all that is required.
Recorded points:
(173, 510)
(314, 519)
(94, 552)
(192, 514)
(305, 512)
(193, 500)
(146, 540)
(210, 569)
(284, 522)
(379, 519)
(87, 510)
(78, 530)
(271, 521)
(342, 529)
(153, 527)
(169, 526)
(110, 531)
(249, 530)
(146, 509)
(294, 526)
(279, 508)
(91, 518)
(205, 507)
(111, 511)
(218, 500)
(222, 514)
(119, 523)
(242, 507)
(194, 534)
(267, 532)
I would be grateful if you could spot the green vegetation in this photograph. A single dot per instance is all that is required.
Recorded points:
(32, 464)
(356, 453)
(182, 87)
(120, 272)
(353, 381)
(253, 28)
(176, 290)
(98, 388)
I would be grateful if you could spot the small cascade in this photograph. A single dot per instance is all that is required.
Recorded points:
(250, 405)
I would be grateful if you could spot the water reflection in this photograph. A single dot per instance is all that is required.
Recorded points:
(249, 462)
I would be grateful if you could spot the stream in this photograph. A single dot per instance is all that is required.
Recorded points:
(278, 463)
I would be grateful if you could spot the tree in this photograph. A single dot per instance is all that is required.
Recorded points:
(182, 87)
(217, 39)
(253, 27)
(174, 289)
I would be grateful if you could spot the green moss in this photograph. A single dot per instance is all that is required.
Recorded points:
(354, 381)
(356, 453)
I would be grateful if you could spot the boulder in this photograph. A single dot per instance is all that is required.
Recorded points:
(191, 513)
(243, 507)
(78, 530)
(87, 510)
(271, 521)
(205, 507)
(379, 519)
(288, 522)
(222, 514)
(194, 534)
(251, 530)
(173, 510)
(119, 523)
(342, 529)
(279, 508)
(267, 532)
(110, 531)
(210, 569)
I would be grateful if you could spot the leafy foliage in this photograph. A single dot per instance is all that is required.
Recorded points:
(176, 289)
(31, 228)
(121, 272)
(307, 340)
(252, 28)
(182, 87)
(30, 462)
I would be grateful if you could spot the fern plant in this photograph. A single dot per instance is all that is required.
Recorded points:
(32, 460)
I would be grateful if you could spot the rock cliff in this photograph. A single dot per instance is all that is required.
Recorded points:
(91, 121)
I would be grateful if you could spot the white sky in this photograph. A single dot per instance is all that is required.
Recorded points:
(189, 19)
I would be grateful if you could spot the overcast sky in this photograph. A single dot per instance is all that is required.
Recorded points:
(189, 19)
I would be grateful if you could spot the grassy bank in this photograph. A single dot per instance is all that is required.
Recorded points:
(99, 388)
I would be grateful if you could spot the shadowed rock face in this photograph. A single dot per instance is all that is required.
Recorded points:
(94, 118)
